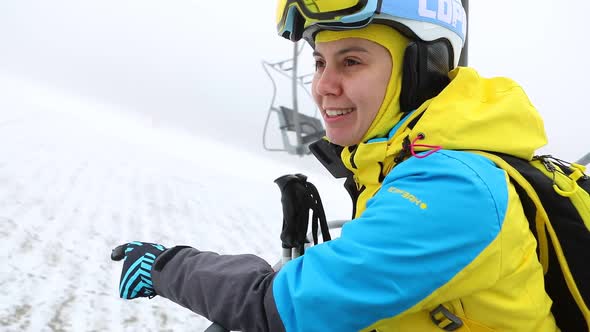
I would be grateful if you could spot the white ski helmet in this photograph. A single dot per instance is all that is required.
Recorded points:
(437, 30)
(425, 20)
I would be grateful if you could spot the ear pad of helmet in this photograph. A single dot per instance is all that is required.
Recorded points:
(425, 72)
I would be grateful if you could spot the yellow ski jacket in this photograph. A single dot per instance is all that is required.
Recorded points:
(439, 235)
(443, 227)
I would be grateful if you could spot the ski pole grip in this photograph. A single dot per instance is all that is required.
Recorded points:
(284, 180)
(294, 201)
(216, 328)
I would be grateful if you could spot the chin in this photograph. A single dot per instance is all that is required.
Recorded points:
(342, 141)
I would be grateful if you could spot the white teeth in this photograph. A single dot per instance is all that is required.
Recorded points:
(331, 113)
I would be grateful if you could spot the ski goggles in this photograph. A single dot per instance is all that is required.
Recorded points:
(294, 16)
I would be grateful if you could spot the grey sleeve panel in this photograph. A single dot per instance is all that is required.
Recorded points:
(232, 290)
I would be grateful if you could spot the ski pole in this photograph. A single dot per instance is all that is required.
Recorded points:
(298, 197)
(295, 215)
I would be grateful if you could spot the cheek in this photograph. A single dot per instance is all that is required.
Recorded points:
(369, 98)
(378, 95)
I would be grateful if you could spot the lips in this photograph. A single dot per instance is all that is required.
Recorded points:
(335, 112)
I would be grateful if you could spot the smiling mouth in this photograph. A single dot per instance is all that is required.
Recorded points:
(332, 113)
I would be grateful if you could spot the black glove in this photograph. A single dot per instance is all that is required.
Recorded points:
(136, 277)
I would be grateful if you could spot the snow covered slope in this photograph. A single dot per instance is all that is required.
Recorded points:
(77, 179)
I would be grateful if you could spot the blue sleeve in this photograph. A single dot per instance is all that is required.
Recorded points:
(429, 220)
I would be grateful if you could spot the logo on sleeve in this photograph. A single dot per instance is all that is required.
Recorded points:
(406, 195)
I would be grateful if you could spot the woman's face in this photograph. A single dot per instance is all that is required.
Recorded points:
(349, 86)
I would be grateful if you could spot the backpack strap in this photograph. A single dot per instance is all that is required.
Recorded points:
(542, 223)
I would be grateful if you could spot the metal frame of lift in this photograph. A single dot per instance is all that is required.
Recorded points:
(306, 129)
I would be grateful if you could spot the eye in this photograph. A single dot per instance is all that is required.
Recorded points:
(351, 62)
(319, 63)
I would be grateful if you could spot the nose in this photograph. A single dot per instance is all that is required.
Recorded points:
(327, 82)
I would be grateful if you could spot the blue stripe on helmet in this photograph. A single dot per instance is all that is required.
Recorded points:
(367, 12)
(447, 13)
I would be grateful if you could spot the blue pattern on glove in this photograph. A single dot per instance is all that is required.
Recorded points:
(136, 277)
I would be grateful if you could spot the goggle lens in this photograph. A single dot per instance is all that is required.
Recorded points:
(328, 6)
(293, 16)
(318, 9)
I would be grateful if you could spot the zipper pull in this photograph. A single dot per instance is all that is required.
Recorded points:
(547, 163)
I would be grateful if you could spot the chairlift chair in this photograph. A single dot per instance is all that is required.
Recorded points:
(298, 130)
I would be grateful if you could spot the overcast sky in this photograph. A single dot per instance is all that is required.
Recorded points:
(197, 64)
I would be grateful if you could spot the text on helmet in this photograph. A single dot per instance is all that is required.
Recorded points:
(448, 11)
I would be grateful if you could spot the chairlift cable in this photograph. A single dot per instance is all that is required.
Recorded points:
(295, 105)
(463, 59)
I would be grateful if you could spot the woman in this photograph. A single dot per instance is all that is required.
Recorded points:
(439, 240)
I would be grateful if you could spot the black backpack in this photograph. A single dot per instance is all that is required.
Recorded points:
(556, 200)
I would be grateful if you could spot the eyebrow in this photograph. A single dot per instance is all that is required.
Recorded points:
(344, 50)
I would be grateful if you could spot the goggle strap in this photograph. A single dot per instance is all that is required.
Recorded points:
(297, 27)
